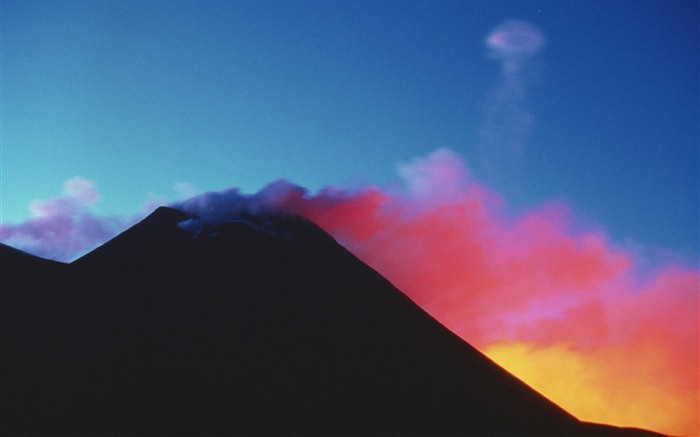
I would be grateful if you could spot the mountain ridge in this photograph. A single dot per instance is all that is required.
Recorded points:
(239, 331)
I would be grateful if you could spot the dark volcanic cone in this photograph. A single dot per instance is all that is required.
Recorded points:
(259, 326)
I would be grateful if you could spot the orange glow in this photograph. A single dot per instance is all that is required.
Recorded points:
(608, 386)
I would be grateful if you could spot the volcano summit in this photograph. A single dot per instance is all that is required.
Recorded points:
(255, 326)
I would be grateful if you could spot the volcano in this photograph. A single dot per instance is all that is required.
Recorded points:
(261, 325)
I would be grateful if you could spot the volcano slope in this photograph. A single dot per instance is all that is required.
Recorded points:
(258, 326)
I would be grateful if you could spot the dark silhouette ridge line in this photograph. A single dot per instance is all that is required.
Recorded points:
(242, 331)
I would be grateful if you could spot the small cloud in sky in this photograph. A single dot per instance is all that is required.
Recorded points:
(78, 194)
(66, 226)
(513, 42)
(441, 172)
(185, 189)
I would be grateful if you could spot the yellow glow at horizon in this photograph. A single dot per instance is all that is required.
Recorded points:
(604, 386)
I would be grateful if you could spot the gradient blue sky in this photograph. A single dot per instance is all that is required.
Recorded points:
(141, 95)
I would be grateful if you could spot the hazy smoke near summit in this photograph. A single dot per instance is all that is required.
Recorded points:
(566, 310)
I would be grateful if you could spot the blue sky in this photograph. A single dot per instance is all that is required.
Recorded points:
(141, 95)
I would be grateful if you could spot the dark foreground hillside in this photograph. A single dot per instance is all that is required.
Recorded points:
(260, 326)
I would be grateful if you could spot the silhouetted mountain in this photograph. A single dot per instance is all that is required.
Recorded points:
(257, 326)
